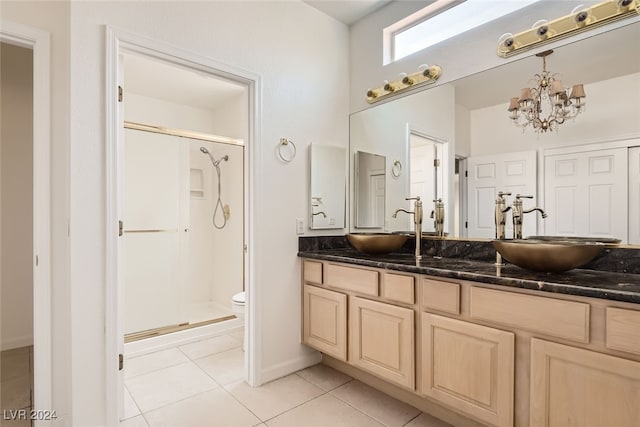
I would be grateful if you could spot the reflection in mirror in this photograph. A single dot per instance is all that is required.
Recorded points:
(471, 114)
(369, 189)
(388, 129)
(328, 187)
(427, 172)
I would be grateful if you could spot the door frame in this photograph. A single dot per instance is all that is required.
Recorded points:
(117, 41)
(39, 42)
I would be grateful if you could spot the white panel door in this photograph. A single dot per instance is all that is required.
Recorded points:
(634, 196)
(586, 194)
(154, 193)
(488, 175)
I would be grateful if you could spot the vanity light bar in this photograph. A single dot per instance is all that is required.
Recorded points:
(420, 78)
(580, 19)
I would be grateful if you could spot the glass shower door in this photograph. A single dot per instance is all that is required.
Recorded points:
(155, 230)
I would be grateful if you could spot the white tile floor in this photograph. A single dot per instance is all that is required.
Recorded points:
(201, 385)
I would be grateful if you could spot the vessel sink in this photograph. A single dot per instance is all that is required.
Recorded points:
(553, 254)
(377, 243)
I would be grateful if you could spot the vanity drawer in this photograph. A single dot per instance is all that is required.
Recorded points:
(352, 279)
(312, 272)
(398, 287)
(549, 316)
(623, 330)
(441, 296)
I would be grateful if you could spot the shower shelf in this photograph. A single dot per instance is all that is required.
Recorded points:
(197, 193)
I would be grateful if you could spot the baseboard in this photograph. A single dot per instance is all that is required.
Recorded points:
(290, 366)
(9, 344)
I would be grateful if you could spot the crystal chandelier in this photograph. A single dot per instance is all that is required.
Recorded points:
(548, 104)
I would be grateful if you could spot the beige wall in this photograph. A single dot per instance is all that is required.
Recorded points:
(16, 194)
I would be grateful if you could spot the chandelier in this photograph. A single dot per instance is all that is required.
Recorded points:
(548, 104)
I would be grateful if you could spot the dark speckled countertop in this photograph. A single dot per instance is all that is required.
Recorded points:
(580, 282)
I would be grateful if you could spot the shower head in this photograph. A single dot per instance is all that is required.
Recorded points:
(214, 161)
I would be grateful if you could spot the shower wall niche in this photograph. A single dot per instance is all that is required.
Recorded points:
(179, 270)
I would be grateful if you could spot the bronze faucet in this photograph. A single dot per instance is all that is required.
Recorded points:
(417, 221)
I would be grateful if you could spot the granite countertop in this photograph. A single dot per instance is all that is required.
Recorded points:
(580, 282)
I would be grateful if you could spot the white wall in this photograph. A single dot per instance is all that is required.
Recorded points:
(299, 52)
(612, 112)
(464, 55)
(231, 118)
(16, 170)
(54, 18)
(158, 112)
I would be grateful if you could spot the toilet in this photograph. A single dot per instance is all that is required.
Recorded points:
(237, 307)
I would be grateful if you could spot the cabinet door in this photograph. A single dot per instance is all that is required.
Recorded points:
(325, 321)
(576, 387)
(381, 340)
(468, 367)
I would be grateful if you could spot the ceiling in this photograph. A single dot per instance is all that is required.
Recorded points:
(346, 11)
(174, 83)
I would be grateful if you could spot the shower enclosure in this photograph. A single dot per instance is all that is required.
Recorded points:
(183, 229)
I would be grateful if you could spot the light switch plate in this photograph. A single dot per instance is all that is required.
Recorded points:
(299, 226)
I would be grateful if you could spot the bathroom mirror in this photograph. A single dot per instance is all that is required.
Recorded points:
(470, 116)
(328, 186)
(370, 189)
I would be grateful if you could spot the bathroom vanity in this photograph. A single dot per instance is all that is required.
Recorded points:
(474, 344)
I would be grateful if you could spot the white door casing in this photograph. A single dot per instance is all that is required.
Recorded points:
(487, 175)
(39, 42)
(586, 193)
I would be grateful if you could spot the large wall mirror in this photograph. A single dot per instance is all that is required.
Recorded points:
(327, 200)
(583, 174)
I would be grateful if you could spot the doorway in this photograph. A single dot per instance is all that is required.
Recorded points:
(183, 199)
(120, 44)
(30, 189)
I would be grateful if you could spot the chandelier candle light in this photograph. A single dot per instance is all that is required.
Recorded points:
(548, 104)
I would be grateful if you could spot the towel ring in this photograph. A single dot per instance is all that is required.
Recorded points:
(291, 155)
(396, 168)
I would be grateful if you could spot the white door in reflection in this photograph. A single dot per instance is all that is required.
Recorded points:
(426, 179)
(508, 172)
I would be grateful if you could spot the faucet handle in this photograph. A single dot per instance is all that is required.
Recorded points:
(504, 193)
(519, 196)
(413, 198)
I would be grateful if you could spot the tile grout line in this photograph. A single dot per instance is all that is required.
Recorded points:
(359, 410)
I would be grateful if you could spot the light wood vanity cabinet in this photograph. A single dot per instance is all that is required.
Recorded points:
(486, 354)
(468, 367)
(576, 387)
(325, 321)
(381, 340)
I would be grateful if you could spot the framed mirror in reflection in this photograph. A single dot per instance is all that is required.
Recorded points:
(327, 200)
(370, 189)
(578, 173)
